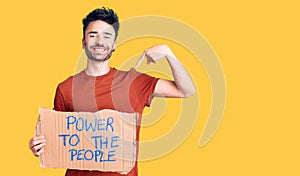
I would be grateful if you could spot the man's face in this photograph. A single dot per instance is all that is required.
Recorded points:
(99, 40)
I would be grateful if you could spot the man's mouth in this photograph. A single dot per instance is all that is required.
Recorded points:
(99, 49)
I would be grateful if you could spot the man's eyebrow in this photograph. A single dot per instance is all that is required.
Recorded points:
(96, 32)
(93, 32)
(107, 33)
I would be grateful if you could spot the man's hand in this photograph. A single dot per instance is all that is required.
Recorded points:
(182, 86)
(155, 54)
(37, 144)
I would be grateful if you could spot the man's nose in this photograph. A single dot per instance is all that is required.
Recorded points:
(99, 39)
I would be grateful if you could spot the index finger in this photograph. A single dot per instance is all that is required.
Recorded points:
(35, 138)
(38, 137)
(140, 60)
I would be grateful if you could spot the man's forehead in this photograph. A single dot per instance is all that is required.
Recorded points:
(100, 26)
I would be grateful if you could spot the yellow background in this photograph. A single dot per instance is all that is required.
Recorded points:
(258, 46)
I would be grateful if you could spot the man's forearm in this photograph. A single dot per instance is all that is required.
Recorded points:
(182, 79)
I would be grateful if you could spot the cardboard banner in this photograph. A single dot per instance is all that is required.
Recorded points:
(104, 140)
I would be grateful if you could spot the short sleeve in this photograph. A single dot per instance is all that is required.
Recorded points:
(144, 86)
(59, 103)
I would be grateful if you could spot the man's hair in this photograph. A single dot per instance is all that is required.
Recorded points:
(104, 14)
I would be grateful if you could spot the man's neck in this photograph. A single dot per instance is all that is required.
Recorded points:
(96, 68)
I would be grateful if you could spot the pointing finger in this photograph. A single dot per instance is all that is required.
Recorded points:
(140, 60)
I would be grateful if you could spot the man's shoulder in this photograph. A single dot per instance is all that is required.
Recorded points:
(133, 73)
(67, 83)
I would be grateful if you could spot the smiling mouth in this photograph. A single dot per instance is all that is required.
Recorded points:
(99, 49)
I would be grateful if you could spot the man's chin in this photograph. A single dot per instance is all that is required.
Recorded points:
(99, 58)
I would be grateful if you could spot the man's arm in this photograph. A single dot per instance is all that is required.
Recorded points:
(182, 86)
(37, 143)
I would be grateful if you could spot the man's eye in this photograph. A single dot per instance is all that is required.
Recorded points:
(92, 35)
(107, 37)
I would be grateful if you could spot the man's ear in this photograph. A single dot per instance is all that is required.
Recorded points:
(83, 43)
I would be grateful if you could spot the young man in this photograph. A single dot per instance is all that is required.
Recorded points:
(102, 87)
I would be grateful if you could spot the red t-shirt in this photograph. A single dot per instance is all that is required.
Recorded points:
(124, 91)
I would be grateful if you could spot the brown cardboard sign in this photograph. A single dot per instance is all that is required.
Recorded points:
(104, 140)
